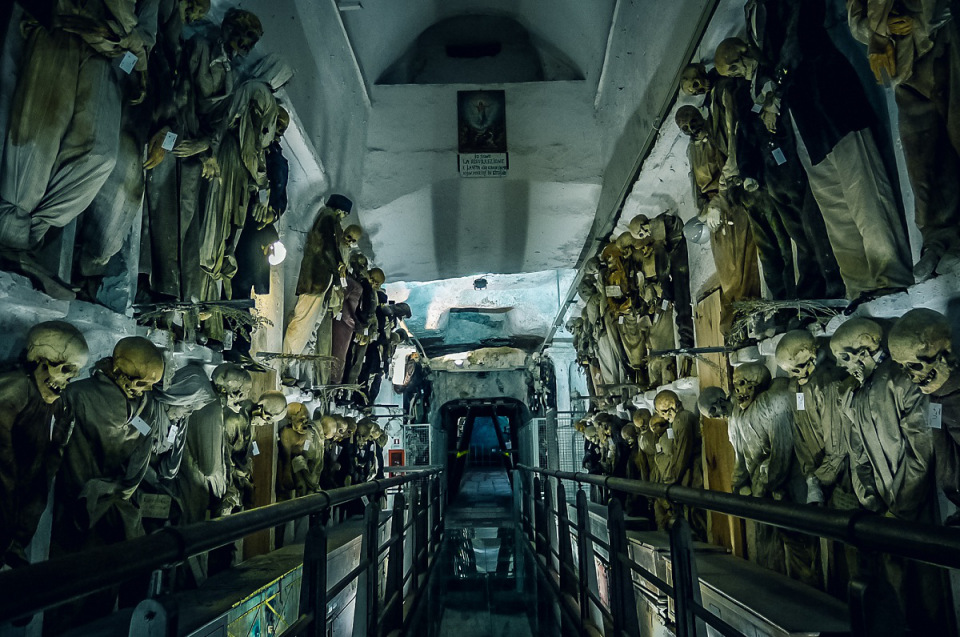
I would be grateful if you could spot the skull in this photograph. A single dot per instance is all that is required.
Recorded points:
(586, 288)
(590, 433)
(591, 267)
(241, 32)
(298, 416)
(233, 383)
(57, 352)
(329, 426)
(667, 405)
(641, 420)
(640, 227)
(797, 355)
(735, 59)
(749, 380)
(342, 426)
(283, 120)
(269, 409)
(358, 263)
(193, 10)
(629, 435)
(364, 428)
(137, 366)
(856, 345)
(691, 122)
(658, 425)
(625, 242)
(920, 342)
(646, 249)
(377, 278)
(352, 234)
(611, 255)
(714, 403)
(694, 80)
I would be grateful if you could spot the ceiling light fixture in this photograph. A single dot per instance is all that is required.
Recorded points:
(277, 254)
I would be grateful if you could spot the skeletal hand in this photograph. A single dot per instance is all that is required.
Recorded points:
(190, 147)
(769, 118)
(712, 219)
(883, 60)
(260, 213)
(155, 151)
(900, 25)
(211, 169)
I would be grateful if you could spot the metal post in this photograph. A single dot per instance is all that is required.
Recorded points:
(587, 567)
(686, 581)
(568, 581)
(623, 603)
(874, 608)
(393, 614)
(526, 497)
(313, 585)
(436, 524)
(415, 525)
(423, 529)
(549, 528)
(568, 584)
(365, 618)
(539, 528)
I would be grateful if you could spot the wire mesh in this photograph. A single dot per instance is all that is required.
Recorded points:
(418, 444)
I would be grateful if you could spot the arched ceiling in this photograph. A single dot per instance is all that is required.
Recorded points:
(392, 147)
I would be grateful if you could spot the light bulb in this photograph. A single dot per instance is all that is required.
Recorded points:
(277, 254)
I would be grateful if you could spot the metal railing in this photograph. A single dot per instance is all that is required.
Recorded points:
(49, 584)
(542, 515)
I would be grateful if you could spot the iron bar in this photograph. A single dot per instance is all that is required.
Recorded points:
(925, 542)
(47, 584)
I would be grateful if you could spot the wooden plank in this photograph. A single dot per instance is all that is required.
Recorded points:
(718, 458)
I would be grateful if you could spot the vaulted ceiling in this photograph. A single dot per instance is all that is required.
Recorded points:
(376, 97)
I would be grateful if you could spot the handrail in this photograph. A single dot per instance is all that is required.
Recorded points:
(925, 542)
(60, 580)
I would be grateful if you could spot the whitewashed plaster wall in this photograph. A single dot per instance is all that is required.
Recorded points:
(516, 305)
(450, 226)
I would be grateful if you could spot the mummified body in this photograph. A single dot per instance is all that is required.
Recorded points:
(820, 432)
(920, 342)
(34, 429)
(891, 455)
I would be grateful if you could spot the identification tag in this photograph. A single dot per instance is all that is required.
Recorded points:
(141, 425)
(128, 62)
(935, 416)
(169, 141)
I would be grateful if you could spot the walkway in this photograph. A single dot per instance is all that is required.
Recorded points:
(475, 590)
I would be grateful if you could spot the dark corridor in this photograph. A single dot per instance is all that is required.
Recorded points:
(481, 434)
